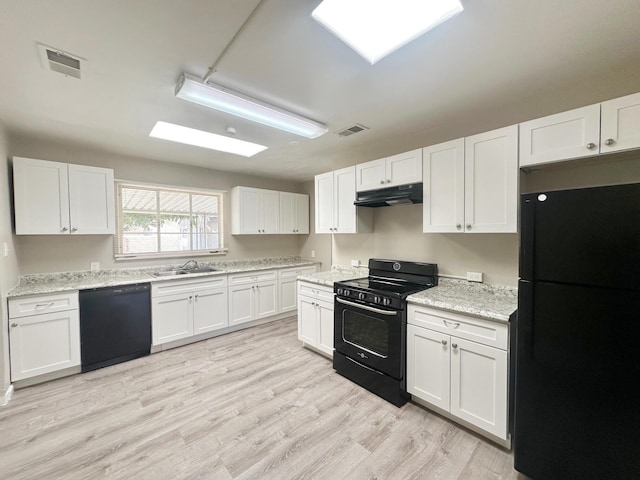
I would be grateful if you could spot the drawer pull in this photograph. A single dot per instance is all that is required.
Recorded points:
(14, 325)
(451, 324)
(454, 345)
(444, 342)
(43, 306)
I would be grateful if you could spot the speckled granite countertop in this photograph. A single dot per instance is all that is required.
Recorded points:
(492, 302)
(337, 273)
(66, 281)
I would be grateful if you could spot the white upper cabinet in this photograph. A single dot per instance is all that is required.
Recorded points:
(53, 198)
(335, 193)
(491, 181)
(294, 213)
(566, 135)
(400, 169)
(602, 128)
(254, 211)
(471, 185)
(443, 187)
(620, 129)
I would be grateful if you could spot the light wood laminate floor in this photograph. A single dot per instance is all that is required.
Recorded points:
(253, 404)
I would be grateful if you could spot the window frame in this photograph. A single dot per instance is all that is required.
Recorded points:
(157, 188)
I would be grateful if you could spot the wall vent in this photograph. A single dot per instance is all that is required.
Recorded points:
(61, 62)
(357, 128)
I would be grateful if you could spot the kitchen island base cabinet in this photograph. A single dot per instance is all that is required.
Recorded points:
(315, 317)
(464, 379)
(44, 334)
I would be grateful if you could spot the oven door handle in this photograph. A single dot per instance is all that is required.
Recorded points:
(365, 307)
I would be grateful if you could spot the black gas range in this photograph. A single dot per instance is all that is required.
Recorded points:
(370, 326)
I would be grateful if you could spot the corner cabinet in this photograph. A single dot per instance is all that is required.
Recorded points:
(315, 317)
(335, 212)
(44, 334)
(400, 169)
(471, 184)
(287, 286)
(459, 365)
(606, 127)
(53, 198)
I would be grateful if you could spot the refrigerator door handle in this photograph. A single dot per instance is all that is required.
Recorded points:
(525, 319)
(527, 223)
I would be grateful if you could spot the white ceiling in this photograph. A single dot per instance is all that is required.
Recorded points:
(492, 65)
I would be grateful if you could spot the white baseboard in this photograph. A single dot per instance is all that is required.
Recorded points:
(7, 396)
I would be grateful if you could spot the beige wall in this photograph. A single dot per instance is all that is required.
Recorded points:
(9, 264)
(53, 253)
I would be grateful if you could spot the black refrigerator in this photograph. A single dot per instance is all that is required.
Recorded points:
(577, 393)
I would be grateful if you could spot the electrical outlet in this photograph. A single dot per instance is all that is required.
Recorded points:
(474, 276)
(95, 266)
(313, 254)
(355, 263)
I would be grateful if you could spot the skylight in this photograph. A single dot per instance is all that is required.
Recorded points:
(376, 28)
(199, 138)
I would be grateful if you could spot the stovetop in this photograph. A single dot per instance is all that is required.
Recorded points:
(384, 286)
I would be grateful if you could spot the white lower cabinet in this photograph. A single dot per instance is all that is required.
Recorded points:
(184, 308)
(459, 364)
(287, 286)
(44, 334)
(315, 316)
(252, 296)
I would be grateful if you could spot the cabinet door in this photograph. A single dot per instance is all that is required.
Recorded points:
(428, 365)
(246, 211)
(324, 199)
(41, 197)
(562, 136)
(325, 322)
(302, 213)
(307, 320)
(404, 168)
(443, 187)
(371, 175)
(210, 310)
(288, 217)
(345, 191)
(171, 318)
(479, 385)
(44, 343)
(270, 208)
(287, 294)
(491, 181)
(91, 200)
(620, 126)
(266, 298)
(241, 304)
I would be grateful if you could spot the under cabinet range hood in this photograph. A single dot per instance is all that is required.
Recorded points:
(385, 197)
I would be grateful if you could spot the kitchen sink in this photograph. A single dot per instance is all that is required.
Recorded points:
(173, 273)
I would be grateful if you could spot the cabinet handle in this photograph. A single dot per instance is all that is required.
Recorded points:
(444, 342)
(43, 306)
(388, 181)
(449, 324)
(74, 229)
(609, 142)
(591, 146)
(64, 229)
(381, 182)
(458, 226)
(196, 298)
(468, 226)
(14, 325)
(454, 345)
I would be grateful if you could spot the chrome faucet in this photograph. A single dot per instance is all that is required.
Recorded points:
(191, 264)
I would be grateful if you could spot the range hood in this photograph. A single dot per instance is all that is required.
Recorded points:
(384, 197)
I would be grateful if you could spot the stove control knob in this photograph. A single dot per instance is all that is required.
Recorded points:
(377, 299)
(340, 291)
(347, 293)
(361, 296)
(386, 301)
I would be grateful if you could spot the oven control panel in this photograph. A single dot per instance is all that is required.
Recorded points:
(370, 297)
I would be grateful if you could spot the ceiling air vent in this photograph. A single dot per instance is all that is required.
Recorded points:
(357, 128)
(61, 62)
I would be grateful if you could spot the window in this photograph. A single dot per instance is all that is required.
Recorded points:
(155, 220)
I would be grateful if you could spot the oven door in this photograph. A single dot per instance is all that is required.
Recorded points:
(372, 336)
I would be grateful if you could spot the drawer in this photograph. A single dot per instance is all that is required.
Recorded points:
(319, 292)
(478, 330)
(293, 272)
(252, 277)
(36, 305)
(171, 287)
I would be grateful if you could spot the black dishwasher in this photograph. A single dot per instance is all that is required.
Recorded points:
(115, 325)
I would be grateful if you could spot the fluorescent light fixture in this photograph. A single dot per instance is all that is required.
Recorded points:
(228, 101)
(375, 28)
(191, 136)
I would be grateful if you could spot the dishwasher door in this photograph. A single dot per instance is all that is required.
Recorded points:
(115, 325)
